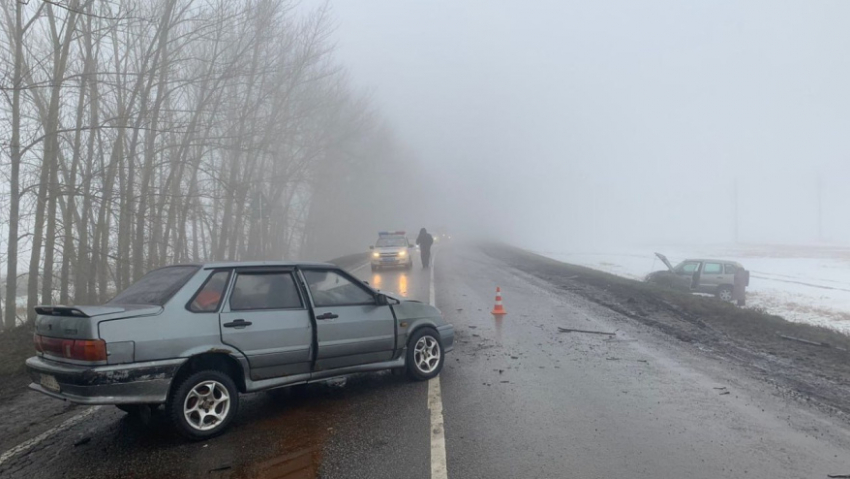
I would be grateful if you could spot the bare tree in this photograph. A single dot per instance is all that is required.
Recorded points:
(177, 130)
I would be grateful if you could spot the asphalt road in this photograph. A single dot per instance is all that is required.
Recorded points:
(520, 400)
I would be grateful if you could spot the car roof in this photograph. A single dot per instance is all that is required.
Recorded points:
(253, 264)
(713, 260)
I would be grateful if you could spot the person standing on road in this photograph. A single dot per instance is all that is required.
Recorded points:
(739, 291)
(425, 240)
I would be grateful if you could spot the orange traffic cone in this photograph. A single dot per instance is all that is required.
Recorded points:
(498, 309)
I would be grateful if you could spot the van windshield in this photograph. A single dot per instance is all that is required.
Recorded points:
(156, 287)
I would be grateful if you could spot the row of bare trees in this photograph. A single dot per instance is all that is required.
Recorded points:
(138, 133)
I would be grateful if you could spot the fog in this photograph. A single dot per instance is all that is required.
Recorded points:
(187, 131)
(556, 124)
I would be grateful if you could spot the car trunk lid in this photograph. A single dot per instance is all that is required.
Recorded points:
(80, 322)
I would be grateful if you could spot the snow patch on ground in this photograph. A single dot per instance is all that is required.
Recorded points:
(809, 284)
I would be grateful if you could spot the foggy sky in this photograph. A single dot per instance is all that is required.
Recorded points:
(559, 123)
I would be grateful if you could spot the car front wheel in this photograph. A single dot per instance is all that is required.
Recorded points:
(424, 355)
(203, 405)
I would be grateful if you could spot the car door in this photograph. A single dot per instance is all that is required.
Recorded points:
(685, 273)
(266, 317)
(351, 327)
(712, 277)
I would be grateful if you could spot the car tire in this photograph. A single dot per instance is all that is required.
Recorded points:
(724, 293)
(203, 404)
(423, 348)
(374, 268)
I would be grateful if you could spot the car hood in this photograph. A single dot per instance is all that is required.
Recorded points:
(408, 309)
(665, 261)
(391, 249)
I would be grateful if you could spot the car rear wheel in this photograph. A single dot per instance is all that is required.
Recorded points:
(424, 355)
(203, 404)
(724, 293)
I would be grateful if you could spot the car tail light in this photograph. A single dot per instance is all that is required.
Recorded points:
(89, 350)
(77, 349)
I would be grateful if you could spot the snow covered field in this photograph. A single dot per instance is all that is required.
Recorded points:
(808, 284)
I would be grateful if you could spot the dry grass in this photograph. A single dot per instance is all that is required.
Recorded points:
(15, 347)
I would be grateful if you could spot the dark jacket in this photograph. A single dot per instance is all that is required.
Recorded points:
(425, 240)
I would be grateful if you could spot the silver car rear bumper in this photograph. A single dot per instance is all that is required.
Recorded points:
(137, 383)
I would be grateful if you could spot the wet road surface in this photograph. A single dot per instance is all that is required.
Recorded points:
(520, 400)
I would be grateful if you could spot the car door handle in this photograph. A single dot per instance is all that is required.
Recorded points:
(327, 316)
(237, 323)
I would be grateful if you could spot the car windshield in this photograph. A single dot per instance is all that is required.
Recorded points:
(156, 287)
(686, 267)
(392, 241)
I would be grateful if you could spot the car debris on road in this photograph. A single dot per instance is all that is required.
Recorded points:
(570, 330)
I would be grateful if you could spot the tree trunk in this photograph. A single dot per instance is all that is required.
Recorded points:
(48, 170)
(14, 176)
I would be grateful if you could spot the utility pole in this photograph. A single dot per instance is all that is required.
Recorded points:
(735, 211)
(820, 208)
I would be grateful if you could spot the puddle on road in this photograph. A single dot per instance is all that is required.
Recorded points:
(396, 282)
(302, 464)
(276, 436)
(290, 444)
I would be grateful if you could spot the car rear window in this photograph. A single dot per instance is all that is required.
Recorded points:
(156, 287)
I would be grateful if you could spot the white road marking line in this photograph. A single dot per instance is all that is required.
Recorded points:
(439, 469)
(26, 445)
(432, 299)
(438, 435)
(359, 267)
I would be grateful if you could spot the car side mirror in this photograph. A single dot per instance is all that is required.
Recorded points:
(411, 246)
(382, 299)
(371, 246)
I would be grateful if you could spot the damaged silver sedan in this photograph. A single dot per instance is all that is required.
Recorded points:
(193, 337)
